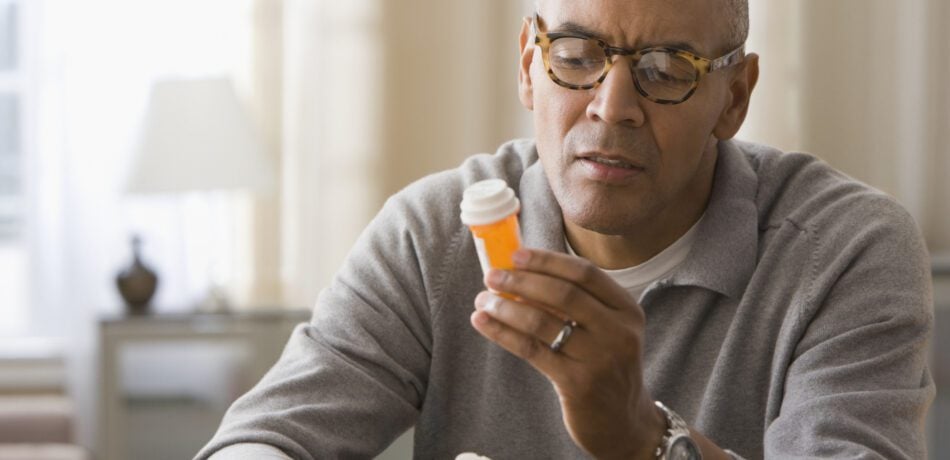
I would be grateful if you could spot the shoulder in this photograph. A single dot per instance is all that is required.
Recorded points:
(434, 199)
(418, 233)
(422, 221)
(849, 226)
(801, 189)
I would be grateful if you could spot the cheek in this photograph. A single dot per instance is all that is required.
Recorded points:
(555, 115)
(682, 139)
(556, 109)
(681, 128)
(687, 127)
(673, 140)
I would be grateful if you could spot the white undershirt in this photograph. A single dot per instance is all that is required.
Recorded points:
(636, 279)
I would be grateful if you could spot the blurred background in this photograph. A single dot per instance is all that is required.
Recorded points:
(180, 178)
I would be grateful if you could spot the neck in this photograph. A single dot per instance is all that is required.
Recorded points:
(615, 252)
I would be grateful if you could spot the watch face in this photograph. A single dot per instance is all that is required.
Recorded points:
(683, 448)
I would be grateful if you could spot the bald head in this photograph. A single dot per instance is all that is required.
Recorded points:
(736, 16)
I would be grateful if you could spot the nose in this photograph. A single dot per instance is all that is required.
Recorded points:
(616, 100)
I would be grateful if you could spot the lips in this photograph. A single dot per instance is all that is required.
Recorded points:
(617, 163)
(606, 168)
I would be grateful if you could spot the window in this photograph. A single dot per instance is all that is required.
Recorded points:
(10, 125)
(13, 94)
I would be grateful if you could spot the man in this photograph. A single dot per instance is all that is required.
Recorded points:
(775, 307)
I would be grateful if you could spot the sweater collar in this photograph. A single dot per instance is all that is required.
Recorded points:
(724, 253)
(542, 223)
(723, 256)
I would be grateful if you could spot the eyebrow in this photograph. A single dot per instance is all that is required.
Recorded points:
(575, 28)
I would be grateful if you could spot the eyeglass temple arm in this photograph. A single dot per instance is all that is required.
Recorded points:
(733, 57)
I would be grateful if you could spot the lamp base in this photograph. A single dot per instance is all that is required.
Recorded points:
(137, 282)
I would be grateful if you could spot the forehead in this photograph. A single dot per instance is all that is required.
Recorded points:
(639, 23)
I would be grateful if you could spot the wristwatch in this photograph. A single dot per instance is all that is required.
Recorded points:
(676, 443)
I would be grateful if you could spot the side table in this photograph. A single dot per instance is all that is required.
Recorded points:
(166, 380)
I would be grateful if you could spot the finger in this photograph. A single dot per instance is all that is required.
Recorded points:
(564, 298)
(553, 365)
(577, 270)
(529, 320)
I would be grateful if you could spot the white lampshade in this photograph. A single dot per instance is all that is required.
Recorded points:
(197, 136)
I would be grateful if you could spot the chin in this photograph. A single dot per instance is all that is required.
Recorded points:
(601, 216)
(605, 225)
(598, 208)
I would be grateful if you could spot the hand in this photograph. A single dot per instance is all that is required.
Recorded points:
(598, 373)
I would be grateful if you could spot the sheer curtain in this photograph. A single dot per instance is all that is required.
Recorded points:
(98, 59)
(862, 84)
(377, 94)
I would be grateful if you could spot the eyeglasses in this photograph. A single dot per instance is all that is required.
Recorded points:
(661, 74)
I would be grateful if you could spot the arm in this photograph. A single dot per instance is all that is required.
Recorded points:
(350, 381)
(858, 384)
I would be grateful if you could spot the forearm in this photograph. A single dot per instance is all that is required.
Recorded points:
(315, 403)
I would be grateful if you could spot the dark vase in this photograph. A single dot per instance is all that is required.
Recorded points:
(137, 282)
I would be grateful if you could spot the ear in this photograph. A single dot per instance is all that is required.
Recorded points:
(740, 92)
(525, 89)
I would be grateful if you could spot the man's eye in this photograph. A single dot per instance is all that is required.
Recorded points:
(577, 62)
(659, 76)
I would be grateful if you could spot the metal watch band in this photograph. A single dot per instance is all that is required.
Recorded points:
(676, 427)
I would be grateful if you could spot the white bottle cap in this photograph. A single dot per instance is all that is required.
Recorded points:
(488, 201)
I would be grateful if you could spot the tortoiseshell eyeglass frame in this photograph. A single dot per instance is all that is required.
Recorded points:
(702, 65)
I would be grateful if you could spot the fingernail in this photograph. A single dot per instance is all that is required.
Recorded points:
(496, 277)
(481, 299)
(491, 304)
(521, 257)
(479, 318)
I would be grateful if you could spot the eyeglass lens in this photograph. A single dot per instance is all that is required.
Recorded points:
(660, 74)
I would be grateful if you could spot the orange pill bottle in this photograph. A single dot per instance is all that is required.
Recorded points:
(490, 210)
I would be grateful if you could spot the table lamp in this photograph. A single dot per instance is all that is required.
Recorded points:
(196, 136)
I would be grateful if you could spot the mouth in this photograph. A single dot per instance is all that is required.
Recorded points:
(612, 161)
(611, 169)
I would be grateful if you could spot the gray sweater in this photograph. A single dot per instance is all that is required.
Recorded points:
(797, 327)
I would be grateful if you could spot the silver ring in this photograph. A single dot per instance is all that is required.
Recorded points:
(562, 336)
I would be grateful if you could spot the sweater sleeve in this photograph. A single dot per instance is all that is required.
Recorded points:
(247, 451)
(351, 380)
(858, 385)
